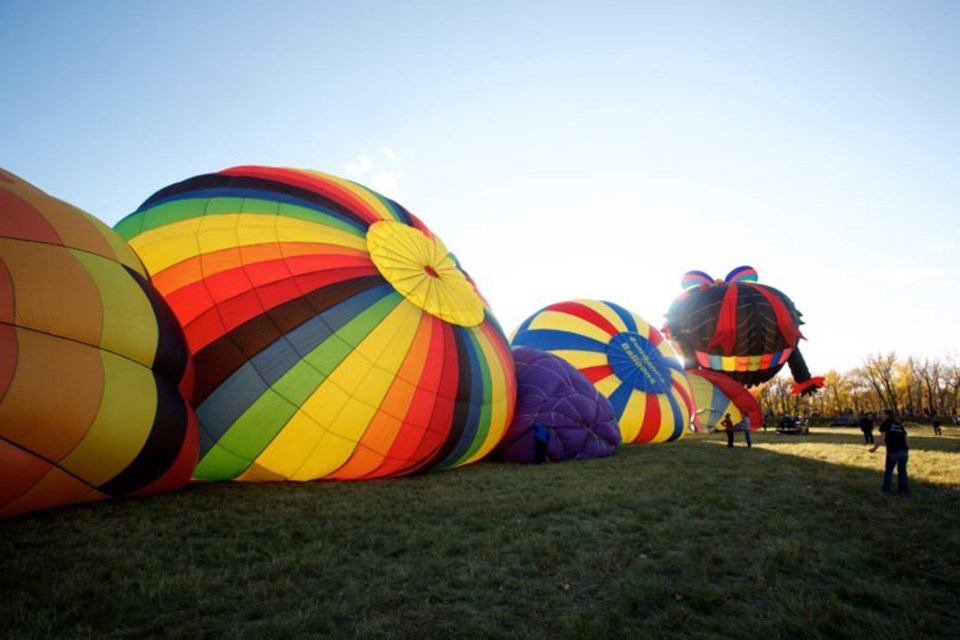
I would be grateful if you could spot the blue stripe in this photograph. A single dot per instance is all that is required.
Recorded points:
(472, 402)
(556, 340)
(678, 424)
(618, 399)
(625, 315)
(235, 395)
(255, 194)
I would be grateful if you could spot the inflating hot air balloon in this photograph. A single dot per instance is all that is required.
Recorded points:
(334, 335)
(627, 360)
(742, 329)
(91, 363)
(717, 395)
(576, 420)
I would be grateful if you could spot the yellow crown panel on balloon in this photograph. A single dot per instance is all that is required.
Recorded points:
(627, 360)
(334, 335)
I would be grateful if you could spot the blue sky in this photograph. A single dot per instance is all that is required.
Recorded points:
(560, 149)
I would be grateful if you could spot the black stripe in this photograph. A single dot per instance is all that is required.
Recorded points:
(163, 445)
(218, 180)
(221, 358)
(170, 357)
(461, 407)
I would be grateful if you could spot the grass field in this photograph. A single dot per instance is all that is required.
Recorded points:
(790, 539)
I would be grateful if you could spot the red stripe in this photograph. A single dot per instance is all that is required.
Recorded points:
(651, 421)
(417, 416)
(597, 373)
(788, 328)
(216, 319)
(655, 336)
(317, 184)
(22, 221)
(686, 397)
(439, 393)
(725, 334)
(585, 313)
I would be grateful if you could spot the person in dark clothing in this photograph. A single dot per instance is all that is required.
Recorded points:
(937, 431)
(894, 436)
(540, 439)
(866, 425)
(727, 424)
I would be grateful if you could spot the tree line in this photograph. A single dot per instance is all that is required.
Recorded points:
(911, 387)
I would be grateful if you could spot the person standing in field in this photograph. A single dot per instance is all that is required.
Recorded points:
(893, 435)
(745, 425)
(866, 425)
(937, 431)
(728, 427)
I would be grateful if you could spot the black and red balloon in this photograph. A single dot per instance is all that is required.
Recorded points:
(738, 327)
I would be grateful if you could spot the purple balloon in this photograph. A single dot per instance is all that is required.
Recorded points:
(577, 420)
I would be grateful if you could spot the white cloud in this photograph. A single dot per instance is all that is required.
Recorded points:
(359, 169)
(383, 180)
(943, 247)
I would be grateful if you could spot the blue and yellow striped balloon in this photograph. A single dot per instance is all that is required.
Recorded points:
(627, 360)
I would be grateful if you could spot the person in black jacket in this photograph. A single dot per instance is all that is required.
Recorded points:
(866, 425)
(893, 435)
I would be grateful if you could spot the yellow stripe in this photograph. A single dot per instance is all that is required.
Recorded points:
(361, 192)
(171, 244)
(667, 422)
(612, 316)
(559, 321)
(129, 323)
(582, 359)
(347, 400)
(122, 424)
(499, 410)
(632, 418)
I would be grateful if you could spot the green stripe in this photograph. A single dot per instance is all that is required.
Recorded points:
(185, 209)
(486, 410)
(256, 428)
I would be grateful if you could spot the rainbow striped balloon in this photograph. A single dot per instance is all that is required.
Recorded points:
(334, 335)
(626, 359)
(94, 371)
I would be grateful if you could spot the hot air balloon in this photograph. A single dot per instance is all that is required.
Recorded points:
(627, 360)
(738, 327)
(334, 334)
(93, 365)
(717, 395)
(575, 418)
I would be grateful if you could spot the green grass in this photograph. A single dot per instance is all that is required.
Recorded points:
(788, 540)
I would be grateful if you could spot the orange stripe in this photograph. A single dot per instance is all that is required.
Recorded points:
(312, 182)
(391, 420)
(210, 264)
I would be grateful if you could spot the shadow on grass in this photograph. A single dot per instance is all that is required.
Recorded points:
(920, 439)
(687, 539)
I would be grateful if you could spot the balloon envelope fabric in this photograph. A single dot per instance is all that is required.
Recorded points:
(740, 328)
(578, 419)
(624, 357)
(717, 395)
(92, 362)
(334, 335)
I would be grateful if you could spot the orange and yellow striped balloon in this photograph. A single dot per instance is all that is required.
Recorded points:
(93, 365)
(626, 359)
(334, 335)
